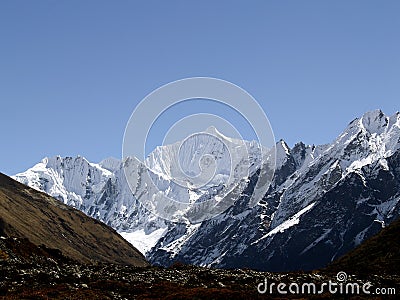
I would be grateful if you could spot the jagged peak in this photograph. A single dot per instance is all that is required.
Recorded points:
(300, 146)
(54, 161)
(282, 146)
(110, 163)
(376, 113)
(374, 121)
(212, 129)
(282, 153)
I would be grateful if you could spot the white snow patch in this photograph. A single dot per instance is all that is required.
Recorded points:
(360, 237)
(313, 244)
(294, 220)
(381, 222)
(384, 164)
(144, 241)
(175, 246)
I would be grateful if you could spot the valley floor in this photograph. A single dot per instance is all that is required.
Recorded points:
(49, 279)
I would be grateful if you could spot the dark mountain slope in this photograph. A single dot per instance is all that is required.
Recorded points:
(379, 254)
(27, 213)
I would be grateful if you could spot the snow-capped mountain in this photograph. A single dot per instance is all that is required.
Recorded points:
(186, 161)
(199, 177)
(323, 200)
(178, 171)
(100, 191)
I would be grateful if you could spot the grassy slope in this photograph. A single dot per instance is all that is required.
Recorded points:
(27, 213)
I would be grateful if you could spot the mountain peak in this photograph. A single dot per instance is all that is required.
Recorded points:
(282, 152)
(374, 121)
(282, 145)
(376, 113)
(215, 132)
(111, 163)
(212, 129)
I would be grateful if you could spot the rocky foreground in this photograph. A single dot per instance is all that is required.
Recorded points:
(31, 272)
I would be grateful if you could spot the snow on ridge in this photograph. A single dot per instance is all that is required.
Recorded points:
(175, 246)
(227, 156)
(355, 148)
(374, 121)
(212, 130)
(293, 220)
(316, 241)
(111, 163)
(382, 139)
(282, 153)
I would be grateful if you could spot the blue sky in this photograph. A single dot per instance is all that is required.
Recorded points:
(71, 72)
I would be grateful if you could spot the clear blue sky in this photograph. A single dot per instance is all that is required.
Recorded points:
(71, 72)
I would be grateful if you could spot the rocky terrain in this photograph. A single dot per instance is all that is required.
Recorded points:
(32, 272)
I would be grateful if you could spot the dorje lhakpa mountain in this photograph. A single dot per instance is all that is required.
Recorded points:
(323, 201)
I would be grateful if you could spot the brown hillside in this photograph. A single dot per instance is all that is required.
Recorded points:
(27, 213)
